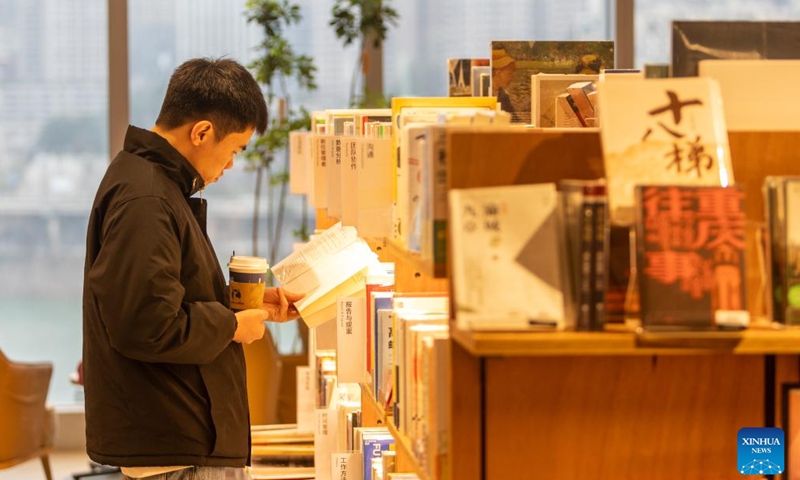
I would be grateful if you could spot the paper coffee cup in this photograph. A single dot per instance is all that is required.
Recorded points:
(248, 276)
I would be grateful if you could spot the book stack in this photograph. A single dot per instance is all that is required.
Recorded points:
(585, 213)
(281, 452)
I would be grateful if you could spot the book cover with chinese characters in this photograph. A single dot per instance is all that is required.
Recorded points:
(509, 266)
(513, 63)
(690, 254)
(661, 132)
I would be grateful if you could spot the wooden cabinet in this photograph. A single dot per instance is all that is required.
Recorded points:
(614, 404)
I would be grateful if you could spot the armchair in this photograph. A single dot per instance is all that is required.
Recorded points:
(27, 426)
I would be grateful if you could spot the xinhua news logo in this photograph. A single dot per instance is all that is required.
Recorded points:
(761, 451)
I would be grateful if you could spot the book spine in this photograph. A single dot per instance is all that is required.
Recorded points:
(439, 200)
(599, 252)
(585, 294)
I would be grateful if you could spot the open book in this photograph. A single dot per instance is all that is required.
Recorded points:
(333, 264)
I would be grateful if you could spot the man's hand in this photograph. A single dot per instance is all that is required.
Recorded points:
(251, 325)
(280, 304)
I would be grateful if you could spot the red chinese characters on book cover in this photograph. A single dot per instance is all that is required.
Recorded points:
(690, 254)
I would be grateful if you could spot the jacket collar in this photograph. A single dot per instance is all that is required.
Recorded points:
(156, 149)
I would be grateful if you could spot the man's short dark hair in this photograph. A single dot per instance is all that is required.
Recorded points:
(218, 90)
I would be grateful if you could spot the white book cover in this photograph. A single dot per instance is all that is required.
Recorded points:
(507, 257)
(298, 173)
(308, 160)
(325, 427)
(321, 161)
(305, 399)
(375, 183)
(755, 93)
(412, 138)
(661, 132)
(385, 355)
(348, 174)
(334, 177)
(347, 466)
(350, 334)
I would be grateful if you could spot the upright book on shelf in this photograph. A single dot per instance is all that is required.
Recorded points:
(661, 132)
(782, 210)
(460, 75)
(587, 239)
(691, 256)
(508, 258)
(694, 40)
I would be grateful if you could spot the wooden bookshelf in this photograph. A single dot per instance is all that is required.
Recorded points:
(411, 274)
(614, 404)
(405, 457)
(596, 405)
(557, 344)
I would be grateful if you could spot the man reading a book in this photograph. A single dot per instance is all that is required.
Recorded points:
(164, 371)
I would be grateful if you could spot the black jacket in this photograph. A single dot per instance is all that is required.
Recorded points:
(165, 385)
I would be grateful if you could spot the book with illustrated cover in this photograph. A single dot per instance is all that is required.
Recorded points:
(693, 41)
(661, 132)
(513, 63)
(508, 258)
(690, 255)
(460, 75)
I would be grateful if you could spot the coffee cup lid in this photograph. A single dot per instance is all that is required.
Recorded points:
(245, 264)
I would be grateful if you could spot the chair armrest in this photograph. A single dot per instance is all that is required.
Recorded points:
(23, 393)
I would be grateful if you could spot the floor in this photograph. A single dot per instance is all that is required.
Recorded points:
(63, 463)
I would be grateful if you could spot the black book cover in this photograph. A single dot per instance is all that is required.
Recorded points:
(690, 254)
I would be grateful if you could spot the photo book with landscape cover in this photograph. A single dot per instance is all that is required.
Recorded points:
(513, 63)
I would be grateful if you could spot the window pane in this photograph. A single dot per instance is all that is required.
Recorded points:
(653, 20)
(430, 32)
(53, 151)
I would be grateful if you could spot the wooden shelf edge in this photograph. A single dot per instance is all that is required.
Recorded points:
(396, 251)
(747, 342)
(402, 443)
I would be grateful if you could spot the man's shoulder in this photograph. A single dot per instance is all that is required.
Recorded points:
(130, 177)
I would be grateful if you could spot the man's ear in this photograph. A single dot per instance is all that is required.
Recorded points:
(201, 132)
